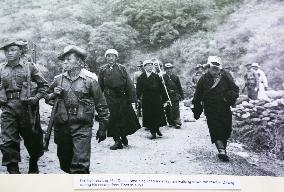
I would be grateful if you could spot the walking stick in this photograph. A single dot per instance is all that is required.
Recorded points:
(164, 84)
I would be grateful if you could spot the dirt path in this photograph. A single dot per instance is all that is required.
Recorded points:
(184, 151)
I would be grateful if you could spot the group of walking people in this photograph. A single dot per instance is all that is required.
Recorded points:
(77, 93)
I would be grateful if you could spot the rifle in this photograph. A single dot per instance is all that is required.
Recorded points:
(32, 120)
(51, 120)
(164, 84)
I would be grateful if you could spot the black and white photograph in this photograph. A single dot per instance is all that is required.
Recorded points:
(182, 87)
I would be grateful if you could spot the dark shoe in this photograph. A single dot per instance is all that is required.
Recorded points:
(153, 135)
(159, 133)
(117, 145)
(177, 126)
(33, 167)
(124, 140)
(222, 155)
(13, 168)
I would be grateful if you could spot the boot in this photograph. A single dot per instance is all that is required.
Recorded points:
(153, 135)
(117, 144)
(223, 155)
(177, 126)
(124, 140)
(33, 167)
(13, 168)
(159, 133)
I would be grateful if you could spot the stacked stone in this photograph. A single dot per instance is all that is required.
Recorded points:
(270, 113)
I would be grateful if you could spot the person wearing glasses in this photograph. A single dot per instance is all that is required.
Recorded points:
(152, 93)
(215, 93)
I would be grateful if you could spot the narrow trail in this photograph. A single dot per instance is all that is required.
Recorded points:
(180, 151)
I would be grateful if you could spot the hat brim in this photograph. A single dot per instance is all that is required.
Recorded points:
(63, 55)
(6, 45)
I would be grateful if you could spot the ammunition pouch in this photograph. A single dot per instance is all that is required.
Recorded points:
(13, 95)
(83, 113)
(61, 115)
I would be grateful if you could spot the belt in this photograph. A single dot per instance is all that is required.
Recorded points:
(13, 95)
(72, 110)
(115, 92)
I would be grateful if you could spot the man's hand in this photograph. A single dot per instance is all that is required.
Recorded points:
(58, 90)
(101, 133)
(167, 103)
(31, 100)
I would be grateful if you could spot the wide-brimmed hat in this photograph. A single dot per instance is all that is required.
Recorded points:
(146, 62)
(248, 64)
(199, 66)
(73, 49)
(12, 41)
(168, 66)
(255, 65)
(111, 51)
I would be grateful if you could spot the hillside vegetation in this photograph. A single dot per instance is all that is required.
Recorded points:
(184, 32)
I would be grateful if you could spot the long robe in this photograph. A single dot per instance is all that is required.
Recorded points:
(151, 91)
(216, 102)
(120, 93)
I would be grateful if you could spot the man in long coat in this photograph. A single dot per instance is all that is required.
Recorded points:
(176, 95)
(215, 93)
(152, 93)
(120, 94)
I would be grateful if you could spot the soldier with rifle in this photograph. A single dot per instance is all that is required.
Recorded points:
(77, 94)
(21, 88)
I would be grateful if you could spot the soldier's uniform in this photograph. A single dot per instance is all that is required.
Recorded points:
(15, 121)
(74, 119)
(176, 94)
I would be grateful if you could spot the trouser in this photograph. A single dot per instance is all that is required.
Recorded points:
(252, 94)
(221, 144)
(173, 114)
(15, 122)
(74, 147)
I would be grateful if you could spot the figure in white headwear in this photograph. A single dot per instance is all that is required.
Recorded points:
(263, 84)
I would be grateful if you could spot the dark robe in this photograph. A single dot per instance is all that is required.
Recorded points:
(120, 93)
(216, 103)
(151, 91)
(176, 94)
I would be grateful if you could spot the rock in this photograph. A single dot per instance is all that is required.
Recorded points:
(271, 104)
(266, 119)
(245, 116)
(265, 113)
